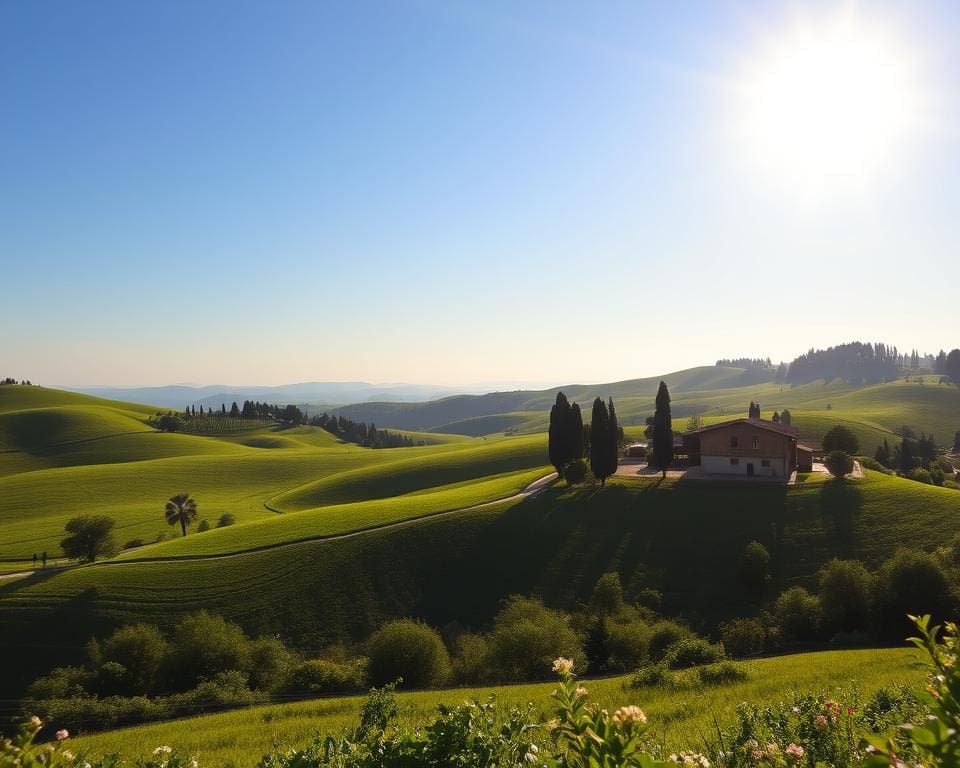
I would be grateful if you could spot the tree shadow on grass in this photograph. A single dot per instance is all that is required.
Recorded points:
(840, 504)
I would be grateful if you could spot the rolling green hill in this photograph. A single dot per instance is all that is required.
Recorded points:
(684, 539)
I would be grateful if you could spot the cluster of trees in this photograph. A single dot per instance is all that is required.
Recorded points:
(854, 362)
(948, 365)
(746, 362)
(569, 439)
(916, 458)
(252, 409)
(9, 380)
(851, 605)
(205, 662)
(357, 432)
(782, 417)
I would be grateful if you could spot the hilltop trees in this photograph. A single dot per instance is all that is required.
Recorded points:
(180, 509)
(754, 412)
(604, 440)
(952, 366)
(839, 464)
(662, 431)
(90, 537)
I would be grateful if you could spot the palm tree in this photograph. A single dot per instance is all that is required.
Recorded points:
(181, 509)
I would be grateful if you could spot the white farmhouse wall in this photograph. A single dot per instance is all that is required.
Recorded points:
(720, 465)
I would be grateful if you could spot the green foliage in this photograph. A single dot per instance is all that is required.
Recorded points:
(798, 614)
(409, 651)
(841, 438)
(90, 537)
(839, 464)
(846, 596)
(561, 441)
(910, 578)
(604, 452)
(225, 519)
(203, 645)
(526, 636)
(607, 598)
(722, 673)
(652, 675)
(180, 509)
(141, 650)
(692, 652)
(320, 676)
(270, 663)
(743, 637)
(663, 635)
(662, 443)
(754, 569)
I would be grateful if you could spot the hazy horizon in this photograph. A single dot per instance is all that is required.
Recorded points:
(455, 193)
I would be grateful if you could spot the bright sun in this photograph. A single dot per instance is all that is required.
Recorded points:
(827, 106)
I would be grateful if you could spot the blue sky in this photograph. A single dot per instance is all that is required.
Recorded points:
(444, 192)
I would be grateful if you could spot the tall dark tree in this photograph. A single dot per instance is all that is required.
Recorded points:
(559, 442)
(662, 430)
(575, 432)
(180, 509)
(952, 366)
(614, 437)
(785, 417)
(600, 441)
(90, 537)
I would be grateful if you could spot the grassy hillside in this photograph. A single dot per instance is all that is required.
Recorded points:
(682, 538)
(239, 738)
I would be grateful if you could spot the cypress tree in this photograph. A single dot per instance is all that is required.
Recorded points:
(662, 430)
(559, 443)
(575, 429)
(613, 439)
(600, 441)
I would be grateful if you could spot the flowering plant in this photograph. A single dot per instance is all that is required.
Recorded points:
(22, 750)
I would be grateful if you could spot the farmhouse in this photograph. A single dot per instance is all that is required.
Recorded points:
(751, 447)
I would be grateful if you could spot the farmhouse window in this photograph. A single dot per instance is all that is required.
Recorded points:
(756, 443)
(734, 462)
(734, 442)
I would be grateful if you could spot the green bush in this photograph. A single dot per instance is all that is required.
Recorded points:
(846, 596)
(408, 650)
(628, 643)
(912, 581)
(721, 673)
(607, 598)
(652, 676)
(204, 645)
(663, 634)
(743, 637)
(754, 569)
(527, 637)
(838, 464)
(692, 651)
(471, 662)
(321, 676)
(920, 476)
(203, 525)
(60, 683)
(797, 613)
(270, 663)
(142, 651)
(225, 519)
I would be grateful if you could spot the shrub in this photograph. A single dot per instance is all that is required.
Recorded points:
(270, 663)
(141, 650)
(910, 581)
(60, 683)
(754, 569)
(203, 525)
(692, 652)
(133, 543)
(846, 596)
(204, 645)
(607, 596)
(90, 537)
(226, 690)
(628, 643)
(649, 598)
(408, 650)
(322, 676)
(527, 636)
(841, 438)
(838, 464)
(920, 476)
(743, 637)
(797, 613)
(471, 659)
(652, 676)
(225, 519)
(721, 673)
(575, 472)
(663, 634)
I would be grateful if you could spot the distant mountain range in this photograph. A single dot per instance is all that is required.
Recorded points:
(328, 394)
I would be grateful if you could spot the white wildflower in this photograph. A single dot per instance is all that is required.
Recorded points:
(35, 721)
(62, 734)
(627, 717)
(563, 667)
(163, 750)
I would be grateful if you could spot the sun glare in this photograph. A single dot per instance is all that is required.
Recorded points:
(827, 107)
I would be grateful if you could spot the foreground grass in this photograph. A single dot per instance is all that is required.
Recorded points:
(682, 717)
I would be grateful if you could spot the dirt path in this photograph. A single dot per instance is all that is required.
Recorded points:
(534, 489)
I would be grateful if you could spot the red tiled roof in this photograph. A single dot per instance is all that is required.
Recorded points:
(758, 423)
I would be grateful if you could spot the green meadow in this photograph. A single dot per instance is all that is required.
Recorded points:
(680, 718)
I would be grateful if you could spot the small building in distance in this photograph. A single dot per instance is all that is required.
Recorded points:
(753, 447)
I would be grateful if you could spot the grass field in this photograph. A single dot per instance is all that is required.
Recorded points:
(681, 718)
